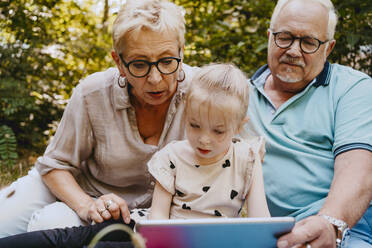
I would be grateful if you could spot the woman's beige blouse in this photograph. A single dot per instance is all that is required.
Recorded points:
(98, 141)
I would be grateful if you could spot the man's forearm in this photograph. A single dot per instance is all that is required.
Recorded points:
(350, 192)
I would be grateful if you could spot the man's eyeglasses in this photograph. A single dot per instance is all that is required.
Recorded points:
(141, 68)
(307, 44)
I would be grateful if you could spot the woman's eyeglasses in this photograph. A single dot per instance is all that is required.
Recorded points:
(141, 68)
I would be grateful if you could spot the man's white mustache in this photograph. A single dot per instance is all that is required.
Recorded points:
(293, 61)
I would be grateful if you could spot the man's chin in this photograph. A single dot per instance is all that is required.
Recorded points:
(291, 79)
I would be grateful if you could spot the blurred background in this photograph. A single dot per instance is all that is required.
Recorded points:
(47, 46)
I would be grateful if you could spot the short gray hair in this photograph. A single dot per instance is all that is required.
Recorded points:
(156, 15)
(332, 15)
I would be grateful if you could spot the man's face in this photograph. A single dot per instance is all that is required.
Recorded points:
(291, 65)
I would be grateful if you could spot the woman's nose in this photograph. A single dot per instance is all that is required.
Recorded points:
(154, 76)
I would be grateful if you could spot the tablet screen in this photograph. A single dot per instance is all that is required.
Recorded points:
(216, 232)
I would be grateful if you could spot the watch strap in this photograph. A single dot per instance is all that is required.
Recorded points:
(340, 227)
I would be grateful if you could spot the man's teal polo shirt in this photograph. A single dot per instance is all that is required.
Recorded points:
(333, 114)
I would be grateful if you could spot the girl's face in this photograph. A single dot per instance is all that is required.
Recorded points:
(207, 132)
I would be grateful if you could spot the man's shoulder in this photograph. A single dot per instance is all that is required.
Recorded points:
(342, 73)
(346, 80)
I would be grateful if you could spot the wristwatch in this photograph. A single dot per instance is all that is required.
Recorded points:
(340, 227)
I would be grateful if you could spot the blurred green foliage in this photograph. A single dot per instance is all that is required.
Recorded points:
(354, 35)
(227, 31)
(8, 145)
(47, 46)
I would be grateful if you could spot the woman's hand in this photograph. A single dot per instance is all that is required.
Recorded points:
(64, 187)
(104, 208)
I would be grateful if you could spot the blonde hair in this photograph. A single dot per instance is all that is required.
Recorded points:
(332, 16)
(156, 15)
(218, 85)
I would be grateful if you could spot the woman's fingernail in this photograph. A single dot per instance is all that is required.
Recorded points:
(127, 220)
(282, 244)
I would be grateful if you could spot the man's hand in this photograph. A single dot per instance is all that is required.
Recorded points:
(314, 231)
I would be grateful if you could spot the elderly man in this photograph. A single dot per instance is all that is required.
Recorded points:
(317, 119)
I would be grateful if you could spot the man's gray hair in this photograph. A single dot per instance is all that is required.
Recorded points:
(332, 16)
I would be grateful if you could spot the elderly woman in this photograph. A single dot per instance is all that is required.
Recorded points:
(94, 169)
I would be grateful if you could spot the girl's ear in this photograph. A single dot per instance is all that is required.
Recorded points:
(241, 124)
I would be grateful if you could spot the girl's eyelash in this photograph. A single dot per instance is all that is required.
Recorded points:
(194, 125)
(219, 132)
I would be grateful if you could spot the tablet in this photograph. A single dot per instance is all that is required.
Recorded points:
(216, 232)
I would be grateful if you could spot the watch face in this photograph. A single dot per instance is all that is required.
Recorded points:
(343, 232)
(339, 224)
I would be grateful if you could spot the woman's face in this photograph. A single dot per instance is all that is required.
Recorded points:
(155, 88)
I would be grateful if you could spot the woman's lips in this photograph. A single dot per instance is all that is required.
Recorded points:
(156, 94)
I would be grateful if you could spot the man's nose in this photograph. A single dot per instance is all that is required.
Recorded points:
(295, 49)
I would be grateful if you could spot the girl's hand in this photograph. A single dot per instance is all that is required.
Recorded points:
(106, 207)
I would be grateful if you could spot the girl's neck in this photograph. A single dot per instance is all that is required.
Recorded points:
(210, 161)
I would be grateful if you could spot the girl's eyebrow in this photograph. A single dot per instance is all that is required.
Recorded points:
(220, 126)
(193, 121)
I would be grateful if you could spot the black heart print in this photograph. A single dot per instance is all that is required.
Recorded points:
(206, 188)
(233, 194)
(186, 207)
(179, 193)
(172, 165)
(226, 164)
(217, 213)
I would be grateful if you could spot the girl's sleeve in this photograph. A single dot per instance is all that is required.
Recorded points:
(163, 169)
(255, 157)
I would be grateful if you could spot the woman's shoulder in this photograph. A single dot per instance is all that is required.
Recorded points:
(98, 81)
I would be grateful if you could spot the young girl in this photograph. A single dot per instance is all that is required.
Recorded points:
(210, 174)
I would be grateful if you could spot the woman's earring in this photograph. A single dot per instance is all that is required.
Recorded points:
(122, 81)
(181, 76)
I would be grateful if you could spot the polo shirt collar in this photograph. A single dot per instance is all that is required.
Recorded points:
(321, 80)
(324, 77)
